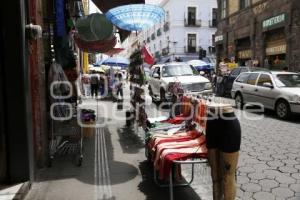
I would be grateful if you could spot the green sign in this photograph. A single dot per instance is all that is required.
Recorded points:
(274, 20)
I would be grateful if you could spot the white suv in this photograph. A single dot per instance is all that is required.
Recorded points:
(279, 91)
(164, 74)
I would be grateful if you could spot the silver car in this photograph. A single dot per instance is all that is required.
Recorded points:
(279, 91)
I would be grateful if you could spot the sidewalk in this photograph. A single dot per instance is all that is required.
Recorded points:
(114, 167)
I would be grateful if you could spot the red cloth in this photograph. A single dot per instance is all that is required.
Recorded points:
(200, 116)
(167, 162)
(176, 120)
(187, 106)
(176, 145)
(148, 58)
(175, 138)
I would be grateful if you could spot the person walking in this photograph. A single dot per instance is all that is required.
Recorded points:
(86, 84)
(119, 85)
(94, 84)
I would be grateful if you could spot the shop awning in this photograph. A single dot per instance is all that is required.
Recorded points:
(105, 5)
(100, 46)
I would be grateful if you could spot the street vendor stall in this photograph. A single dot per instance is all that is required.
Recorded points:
(203, 131)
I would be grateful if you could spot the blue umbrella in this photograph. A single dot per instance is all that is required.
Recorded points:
(135, 17)
(116, 61)
(200, 65)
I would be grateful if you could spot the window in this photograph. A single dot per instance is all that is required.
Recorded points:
(192, 16)
(235, 72)
(243, 78)
(252, 78)
(167, 15)
(156, 71)
(178, 70)
(223, 8)
(213, 38)
(192, 38)
(288, 80)
(214, 17)
(264, 78)
(244, 69)
(244, 4)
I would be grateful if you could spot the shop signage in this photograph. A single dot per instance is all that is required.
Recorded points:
(219, 38)
(281, 49)
(274, 20)
(245, 54)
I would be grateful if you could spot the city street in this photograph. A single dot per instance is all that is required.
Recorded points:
(115, 167)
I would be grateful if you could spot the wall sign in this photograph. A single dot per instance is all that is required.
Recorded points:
(245, 54)
(280, 49)
(219, 38)
(274, 20)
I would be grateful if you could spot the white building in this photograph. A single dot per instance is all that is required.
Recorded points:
(189, 26)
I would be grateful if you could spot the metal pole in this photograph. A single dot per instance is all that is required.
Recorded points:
(171, 185)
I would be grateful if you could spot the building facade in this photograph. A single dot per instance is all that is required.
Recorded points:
(262, 33)
(189, 26)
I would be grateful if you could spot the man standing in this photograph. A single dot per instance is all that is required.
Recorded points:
(94, 84)
(86, 84)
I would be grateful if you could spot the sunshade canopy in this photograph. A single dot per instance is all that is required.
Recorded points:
(135, 17)
(116, 61)
(199, 65)
(105, 5)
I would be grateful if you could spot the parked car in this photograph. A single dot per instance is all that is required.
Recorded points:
(164, 74)
(224, 83)
(279, 91)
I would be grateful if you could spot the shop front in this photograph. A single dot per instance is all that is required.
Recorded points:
(219, 39)
(275, 51)
(243, 51)
(276, 54)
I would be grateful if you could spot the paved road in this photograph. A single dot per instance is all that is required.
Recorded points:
(269, 164)
(114, 166)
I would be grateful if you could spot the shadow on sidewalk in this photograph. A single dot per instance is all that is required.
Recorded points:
(64, 167)
(153, 192)
(130, 142)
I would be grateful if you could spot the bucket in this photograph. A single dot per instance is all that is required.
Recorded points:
(89, 130)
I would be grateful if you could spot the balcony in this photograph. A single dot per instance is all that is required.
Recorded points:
(213, 23)
(166, 26)
(152, 36)
(192, 23)
(158, 32)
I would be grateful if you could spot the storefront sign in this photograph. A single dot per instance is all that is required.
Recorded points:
(219, 38)
(245, 54)
(274, 20)
(281, 49)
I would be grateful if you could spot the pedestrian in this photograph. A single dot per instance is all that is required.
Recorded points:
(119, 85)
(94, 84)
(102, 83)
(285, 69)
(86, 82)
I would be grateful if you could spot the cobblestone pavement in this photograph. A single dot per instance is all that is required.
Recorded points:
(269, 163)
